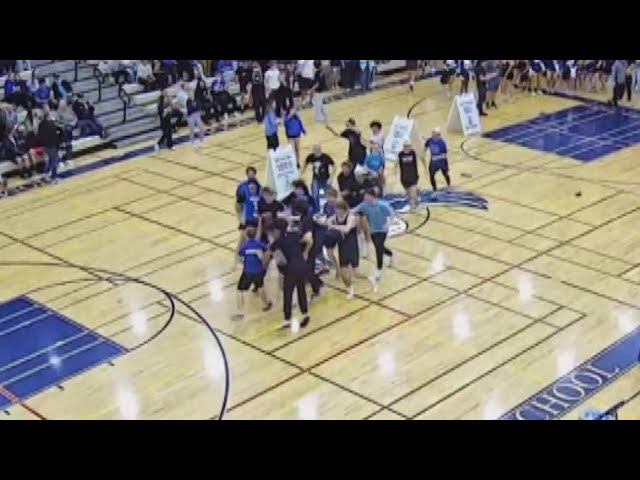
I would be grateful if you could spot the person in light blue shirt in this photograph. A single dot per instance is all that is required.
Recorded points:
(379, 215)
(271, 126)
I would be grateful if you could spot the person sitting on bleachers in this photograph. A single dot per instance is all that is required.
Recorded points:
(61, 88)
(145, 76)
(43, 93)
(223, 101)
(9, 87)
(169, 67)
(87, 122)
(66, 121)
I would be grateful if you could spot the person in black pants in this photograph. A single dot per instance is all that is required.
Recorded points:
(165, 111)
(258, 94)
(628, 78)
(481, 84)
(287, 238)
(301, 208)
(284, 99)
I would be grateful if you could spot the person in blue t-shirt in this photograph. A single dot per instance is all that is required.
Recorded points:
(372, 167)
(437, 148)
(294, 129)
(251, 252)
(379, 215)
(320, 238)
(242, 194)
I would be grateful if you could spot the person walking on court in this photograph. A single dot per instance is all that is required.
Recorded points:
(286, 237)
(618, 75)
(258, 94)
(481, 85)
(437, 149)
(346, 224)
(194, 118)
(165, 112)
(271, 126)
(251, 253)
(379, 215)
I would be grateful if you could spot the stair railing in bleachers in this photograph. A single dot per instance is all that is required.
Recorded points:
(100, 77)
(124, 96)
(75, 70)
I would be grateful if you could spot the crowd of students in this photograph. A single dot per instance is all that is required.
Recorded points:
(32, 110)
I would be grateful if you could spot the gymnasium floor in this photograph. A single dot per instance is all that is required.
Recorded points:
(117, 286)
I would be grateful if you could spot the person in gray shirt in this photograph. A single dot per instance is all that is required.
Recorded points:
(618, 72)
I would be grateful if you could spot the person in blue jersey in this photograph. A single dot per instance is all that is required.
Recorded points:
(372, 166)
(271, 126)
(251, 253)
(242, 193)
(379, 215)
(344, 224)
(294, 129)
(464, 67)
(437, 149)
(43, 93)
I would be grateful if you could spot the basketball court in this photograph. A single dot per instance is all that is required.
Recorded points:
(117, 286)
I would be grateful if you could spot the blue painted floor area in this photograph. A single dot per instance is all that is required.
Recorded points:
(40, 348)
(584, 132)
(573, 388)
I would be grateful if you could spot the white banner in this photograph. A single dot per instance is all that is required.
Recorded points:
(282, 170)
(463, 116)
(401, 130)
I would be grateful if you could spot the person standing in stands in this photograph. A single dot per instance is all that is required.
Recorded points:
(284, 99)
(481, 85)
(43, 93)
(294, 129)
(258, 94)
(165, 111)
(272, 80)
(271, 126)
(306, 72)
(244, 73)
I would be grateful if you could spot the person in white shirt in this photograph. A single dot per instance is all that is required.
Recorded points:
(145, 75)
(306, 72)
(272, 78)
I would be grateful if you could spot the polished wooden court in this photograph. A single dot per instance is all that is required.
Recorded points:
(484, 308)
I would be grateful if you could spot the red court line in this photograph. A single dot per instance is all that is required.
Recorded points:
(15, 400)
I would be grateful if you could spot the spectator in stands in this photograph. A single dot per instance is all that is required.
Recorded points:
(170, 68)
(43, 93)
(272, 79)
(160, 74)
(47, 138)
(228, 68)
(61, 88)
(244, 74)
(271, 126)
(194, 118)
(10, 87)
(258, 95)
(66, 120)
(145, 76)
(87, 122)
(348, 74)
(222, 100)
(204, 99)
(129, 69)
(165, 112)
(318, 89)
(284, 99)
(336, 67)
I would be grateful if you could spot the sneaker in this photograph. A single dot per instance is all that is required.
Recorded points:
(351, 292)
(55, 181)
(374, 283)
(304, 321)
(316, 296)
(285, 324)
(392, 262)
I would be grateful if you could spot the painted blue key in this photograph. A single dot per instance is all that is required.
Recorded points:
(13, 306)
(22, 367)
(53, 375)
(4, 402)
(34, 337)
(23, 317)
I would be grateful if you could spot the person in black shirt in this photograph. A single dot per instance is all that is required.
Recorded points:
(268, 209)
(357, 151)
(481, 84)
(165, 112)
(408, 161)
(323, 166)
(307, 226)
(258, 93)
(288, 239)
(244, 73)
(348, 186)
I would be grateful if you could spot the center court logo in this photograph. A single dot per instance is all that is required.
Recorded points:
(459, 198)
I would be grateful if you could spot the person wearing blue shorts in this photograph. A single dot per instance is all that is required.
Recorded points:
(437, 149)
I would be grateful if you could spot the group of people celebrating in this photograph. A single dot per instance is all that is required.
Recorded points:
(330, 225)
